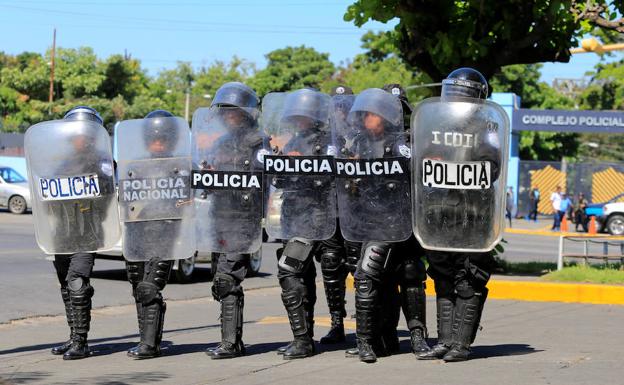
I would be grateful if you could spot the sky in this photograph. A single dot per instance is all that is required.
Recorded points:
(161, 32)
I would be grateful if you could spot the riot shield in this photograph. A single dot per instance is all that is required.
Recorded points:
(372, 170)
(228, 153)
(154, 188)
(299, 176)
(460, 149)
(70, 167)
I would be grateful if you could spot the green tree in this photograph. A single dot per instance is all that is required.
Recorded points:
(122, 76)
(77, 73)
(292, 68)
(437, 36)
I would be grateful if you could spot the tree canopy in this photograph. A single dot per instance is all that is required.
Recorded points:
(437, 36)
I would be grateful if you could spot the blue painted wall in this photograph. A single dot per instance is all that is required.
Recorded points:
(511, 102)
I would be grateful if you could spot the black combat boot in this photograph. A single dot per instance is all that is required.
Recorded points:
(334, 275)
(445, 326)
(464, 324)
(153, 316)
(81, 312)
(367, 315)
(139, 307)
(61, 349)
(414, 303)
(301, 325)
(231, 329)
(336, 333)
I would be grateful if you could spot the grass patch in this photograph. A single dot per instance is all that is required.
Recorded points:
(523, 268)
(612, 274)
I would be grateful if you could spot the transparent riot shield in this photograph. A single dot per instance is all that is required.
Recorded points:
(299, 175)
(460, 149)
(372, 168)
(228, 153)
(70, 167)
(155, 199)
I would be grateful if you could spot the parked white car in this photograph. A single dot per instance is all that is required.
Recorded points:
(183, 268)
(14, 191)
(614, 217)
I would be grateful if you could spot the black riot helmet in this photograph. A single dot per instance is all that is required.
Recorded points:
(398, 91)
(236, 94)
(84, 113)
(158, 127)
(307, 103)
(465, 82)
(378, 102)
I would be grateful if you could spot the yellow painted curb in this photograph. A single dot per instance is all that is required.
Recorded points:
(545, 291)
(548, 233)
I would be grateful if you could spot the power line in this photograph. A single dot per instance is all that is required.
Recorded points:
(172, 21)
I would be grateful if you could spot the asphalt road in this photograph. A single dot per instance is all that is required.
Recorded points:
(521, 343)
(30, 287)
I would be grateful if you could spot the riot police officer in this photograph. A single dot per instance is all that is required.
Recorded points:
(371, 206)
(306, 112)
(74, 271)
(152, 242)
(236, 214)
(408, 273)
(452, 218)
(342, 256)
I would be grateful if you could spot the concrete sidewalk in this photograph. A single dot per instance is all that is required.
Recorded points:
(522, 343)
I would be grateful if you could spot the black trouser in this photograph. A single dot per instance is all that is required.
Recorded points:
(381, 268)
(71, 266)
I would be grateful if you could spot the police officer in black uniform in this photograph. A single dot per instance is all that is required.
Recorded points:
(74, 270)
(149, 278)
(408, 273)
(382, 262)
(241, 148)
(296, 270)
(460, 278)
(341, 256)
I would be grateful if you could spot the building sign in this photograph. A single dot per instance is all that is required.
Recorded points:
(606, 122)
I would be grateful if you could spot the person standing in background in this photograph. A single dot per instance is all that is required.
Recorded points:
(555, 199)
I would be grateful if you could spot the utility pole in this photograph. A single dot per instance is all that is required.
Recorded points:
(187, 104)
(51, 98)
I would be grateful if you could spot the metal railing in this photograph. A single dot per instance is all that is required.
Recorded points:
(604, 240)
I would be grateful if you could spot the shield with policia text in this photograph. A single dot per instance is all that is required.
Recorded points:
(228, 153)
(70, 167)
(155, 198)
(372, 168)
(299, 175)
(460, 149)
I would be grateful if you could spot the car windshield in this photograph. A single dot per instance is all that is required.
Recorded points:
(616, 198)
(11, 176)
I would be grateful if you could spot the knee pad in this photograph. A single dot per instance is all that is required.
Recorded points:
(464, 289)
(331, 261)
(414, 270)
(296, 255)
(134, 270)
(291, 283)
(374, 260)
(75, 284)
(80, 287)
(146, 292)
(222, 285)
